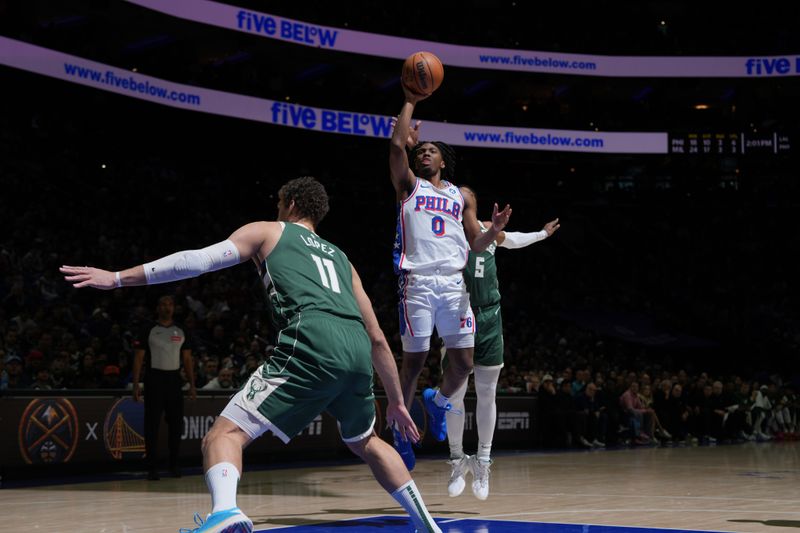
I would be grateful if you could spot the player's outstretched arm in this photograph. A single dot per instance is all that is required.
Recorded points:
(517, 239)
(397, 415)
(242, 245)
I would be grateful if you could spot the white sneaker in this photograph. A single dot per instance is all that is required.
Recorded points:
(458, 470)
(663, 433)
(585, 443)
(598, 444)
(480, 477)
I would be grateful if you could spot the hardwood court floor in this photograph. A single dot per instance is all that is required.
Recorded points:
(742, 488)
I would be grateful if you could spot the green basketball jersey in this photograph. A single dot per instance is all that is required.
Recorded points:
(305, 273)
(481, 278)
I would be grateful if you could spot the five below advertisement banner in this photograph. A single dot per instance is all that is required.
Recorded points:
(78, 430)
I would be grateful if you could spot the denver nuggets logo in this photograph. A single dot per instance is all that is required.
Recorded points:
(48, 431)
(123, 431)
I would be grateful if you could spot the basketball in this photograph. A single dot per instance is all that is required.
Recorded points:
(422, 73)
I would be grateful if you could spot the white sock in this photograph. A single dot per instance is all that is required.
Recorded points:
(409, 497)
(456, 448)
(485, 452)
(455, 423)
(222, 479)
(486, 378)
(440, 399)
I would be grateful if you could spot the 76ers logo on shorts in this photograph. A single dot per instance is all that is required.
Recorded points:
(48, 431)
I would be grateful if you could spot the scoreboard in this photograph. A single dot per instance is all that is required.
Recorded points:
(742, 143)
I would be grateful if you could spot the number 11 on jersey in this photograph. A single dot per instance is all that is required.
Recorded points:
(329, 280)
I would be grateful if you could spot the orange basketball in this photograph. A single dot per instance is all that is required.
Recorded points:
(422, 73)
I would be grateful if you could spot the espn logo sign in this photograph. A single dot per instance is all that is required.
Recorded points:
(508, 420)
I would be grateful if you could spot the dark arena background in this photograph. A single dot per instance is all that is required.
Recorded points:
(662, 135)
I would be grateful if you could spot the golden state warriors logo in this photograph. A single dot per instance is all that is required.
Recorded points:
(123, 431)
(48, 431)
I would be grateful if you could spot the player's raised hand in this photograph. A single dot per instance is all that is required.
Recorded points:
(551, 227)
(411, 96)
(88, 277)
(397, 417)
(500, 218)
(413, 132)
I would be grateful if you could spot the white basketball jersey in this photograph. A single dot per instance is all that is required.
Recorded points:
(430, 230)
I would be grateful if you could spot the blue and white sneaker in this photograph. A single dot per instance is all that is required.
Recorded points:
(438, 419)
(405, 450)
(228, 521)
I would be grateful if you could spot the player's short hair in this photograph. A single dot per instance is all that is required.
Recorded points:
(448, 155)
(309, 196)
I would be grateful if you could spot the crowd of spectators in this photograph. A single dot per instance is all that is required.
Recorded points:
(687, 410)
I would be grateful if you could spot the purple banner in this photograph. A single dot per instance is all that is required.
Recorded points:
(358, 42)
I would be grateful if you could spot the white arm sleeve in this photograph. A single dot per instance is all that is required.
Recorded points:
(192, 263)
(515, 239)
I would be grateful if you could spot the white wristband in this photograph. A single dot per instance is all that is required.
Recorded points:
(117, 280)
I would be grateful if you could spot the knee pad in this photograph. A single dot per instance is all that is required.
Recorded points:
(461, 340)
(415, 344)
(486, 378)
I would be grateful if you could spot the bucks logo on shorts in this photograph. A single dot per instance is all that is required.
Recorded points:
(254, 387)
